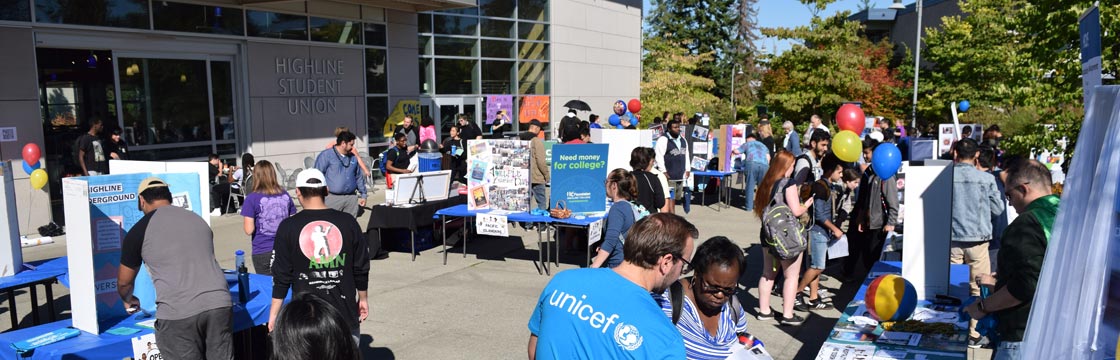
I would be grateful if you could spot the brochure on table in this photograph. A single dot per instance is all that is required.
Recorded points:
(622, 142)
(498, 175)
(11, 253)
(730, 138)
(94, 251)
(578, 175)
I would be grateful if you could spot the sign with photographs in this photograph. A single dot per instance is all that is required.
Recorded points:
(498, 175)
(731, 137)
(946, 135)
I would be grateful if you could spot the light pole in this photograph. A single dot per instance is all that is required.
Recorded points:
(917, 58)
(736, 70)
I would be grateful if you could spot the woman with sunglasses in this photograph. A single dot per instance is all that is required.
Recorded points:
(710, 315)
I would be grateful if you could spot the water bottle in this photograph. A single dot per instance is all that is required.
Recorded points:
(987, 325)
(242, 277)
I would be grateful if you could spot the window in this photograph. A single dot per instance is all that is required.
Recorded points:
(497, 49)
(377, 80)
(425, 44)
(424, 23)
(200, 151)
(62, 103)
(496, 8)
(455, 25)
(497, 28)
(15, 10)
(532, 51)
(426, 85)
(449, 46)
(174, 16)
(532, 31)
(377, 111)
(165, 101)
(375, 34)
(497, 77)
(533, 10)
(115, 13)
(221, 85)
(533, 78)
(455, 76)
(276, 25)
(473, 11)
(336, 31)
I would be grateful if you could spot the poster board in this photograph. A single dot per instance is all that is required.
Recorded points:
(403, 108)
(158, 167)
(436, 185)
(11, 253)
(947, 135)
(498, 175)
(730, 138)
(145, 348)
(928, 216)
(578, 175)
(94, 251)
(622, 142)
(496, 103)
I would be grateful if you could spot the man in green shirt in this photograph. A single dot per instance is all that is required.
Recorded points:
(1020, 256)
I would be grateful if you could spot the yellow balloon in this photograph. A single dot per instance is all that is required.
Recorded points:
(847, 146)
(38, 179)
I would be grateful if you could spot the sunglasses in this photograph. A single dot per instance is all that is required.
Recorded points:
(712, 289)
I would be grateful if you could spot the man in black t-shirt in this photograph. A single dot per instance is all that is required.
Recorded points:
(323, 251)
(91, 151)
(398, 159)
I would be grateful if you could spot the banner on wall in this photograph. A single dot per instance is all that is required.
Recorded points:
(496, 103)
(730, 138)
(498, 175)
(946, 135)
(402, 109)
(94, 251)
(578, 173)
(534, 107)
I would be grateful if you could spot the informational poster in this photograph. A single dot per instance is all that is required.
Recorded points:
(493, 225)
(498, 175)
(145, 348)
(548, 144)
(578, 175)
(534, 107)
(730, 138)
(699, 133)
(94, 251)
(497, 103)
(947, 135)
(402, 109)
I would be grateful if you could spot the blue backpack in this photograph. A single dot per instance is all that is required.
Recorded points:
(382, 157)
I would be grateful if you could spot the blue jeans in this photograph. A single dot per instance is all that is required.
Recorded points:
(538, 196)
(755, 171)
(1007, 350)
(818, 248)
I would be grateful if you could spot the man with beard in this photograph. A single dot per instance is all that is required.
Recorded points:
(673, 159)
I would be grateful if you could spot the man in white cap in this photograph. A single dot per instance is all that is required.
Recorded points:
(298, 263)
(194, 317)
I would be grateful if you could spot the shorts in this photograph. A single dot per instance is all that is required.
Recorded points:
(818, 249)
(675, 187)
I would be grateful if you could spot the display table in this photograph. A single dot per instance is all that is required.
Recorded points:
(724, 189)
(409, 217)
(575, 223)
(460, 211)
(958, 287)
(114, 347)
(38, 273)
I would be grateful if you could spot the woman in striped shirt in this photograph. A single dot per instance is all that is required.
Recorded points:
(711, 317)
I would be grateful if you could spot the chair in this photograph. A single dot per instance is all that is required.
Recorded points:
(308, 162)
(235, 196)
(281, 175)
(291, 184)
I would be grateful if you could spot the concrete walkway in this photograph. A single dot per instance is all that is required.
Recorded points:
(477, 307)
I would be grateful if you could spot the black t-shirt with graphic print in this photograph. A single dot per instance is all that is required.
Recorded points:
(322, 252)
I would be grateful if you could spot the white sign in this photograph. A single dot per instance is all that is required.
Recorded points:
(595, 231)
(144, 348)
(494, 225)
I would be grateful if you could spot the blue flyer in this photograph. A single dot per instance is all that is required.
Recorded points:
(578, 176)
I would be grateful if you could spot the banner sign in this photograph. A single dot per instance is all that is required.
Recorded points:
(496, 103)
(731, 137)
(498, 175)
(534, 107)
(403, 108)
(578, 175)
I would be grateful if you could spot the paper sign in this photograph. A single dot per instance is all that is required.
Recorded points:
(8, 134)
(838, 248)
(700, 148)
(496, 103)
(595, 231)
(534, 107)
(493, 225)
(144, 347)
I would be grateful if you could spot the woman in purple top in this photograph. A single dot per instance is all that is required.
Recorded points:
(263, 210)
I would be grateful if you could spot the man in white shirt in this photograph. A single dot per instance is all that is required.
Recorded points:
(815, 124)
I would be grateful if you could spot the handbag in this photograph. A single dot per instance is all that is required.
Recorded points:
(560, 211)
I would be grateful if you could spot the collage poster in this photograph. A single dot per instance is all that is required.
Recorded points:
(730, 138)
(946, 138)
(498, 175)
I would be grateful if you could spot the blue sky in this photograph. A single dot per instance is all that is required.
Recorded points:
(790, 13)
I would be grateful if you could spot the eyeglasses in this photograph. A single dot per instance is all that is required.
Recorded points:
(687, 268)
(712, 289)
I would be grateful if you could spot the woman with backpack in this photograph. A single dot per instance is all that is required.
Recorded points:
(777, 197)
(621, 189)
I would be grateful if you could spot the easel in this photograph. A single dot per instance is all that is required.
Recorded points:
(419, 186)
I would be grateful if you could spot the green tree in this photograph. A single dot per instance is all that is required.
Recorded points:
(669, 83)
(702, 27)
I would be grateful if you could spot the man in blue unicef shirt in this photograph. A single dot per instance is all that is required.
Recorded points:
(609, 313)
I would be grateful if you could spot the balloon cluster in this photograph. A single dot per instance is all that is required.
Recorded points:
(624, 112)
(886, 158)
(31, 156)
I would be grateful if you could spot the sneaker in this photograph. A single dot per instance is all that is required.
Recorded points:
(977, 342)
(825, 295)
(791, 321)
(765, 317)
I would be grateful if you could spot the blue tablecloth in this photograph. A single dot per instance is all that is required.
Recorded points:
(715, 173)
(34, 272)
(113, 347)
(461, 211)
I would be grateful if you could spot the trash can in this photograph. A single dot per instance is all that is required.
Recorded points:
(429, 157)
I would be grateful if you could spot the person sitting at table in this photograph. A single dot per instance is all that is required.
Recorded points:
(194, 317)
(709, 315)
(621, 188)
(310, 328)
(397, 159)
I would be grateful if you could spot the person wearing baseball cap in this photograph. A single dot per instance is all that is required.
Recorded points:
(323, 251)
(194, 317)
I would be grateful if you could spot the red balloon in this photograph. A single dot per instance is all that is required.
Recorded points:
(635, 106)
(31, 153)
(850, 117)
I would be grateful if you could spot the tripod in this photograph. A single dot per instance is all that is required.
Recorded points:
(419, 186)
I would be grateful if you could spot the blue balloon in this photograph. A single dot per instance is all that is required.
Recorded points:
(615, 120)
(964, 105)
(29, 168)
(886, 160)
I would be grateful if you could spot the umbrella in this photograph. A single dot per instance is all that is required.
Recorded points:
(577, 105)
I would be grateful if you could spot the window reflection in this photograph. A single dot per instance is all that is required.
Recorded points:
(376, 80)
(375, 34)
(533, 51)
(276, 25)
(498, 49)
(532, 31)
(497, 77)
(533, 78)
(496, 8)
(455, 25)
(15, 10)
(449, 46)
(115, 13)
(335, 31)
(534, 10)
(164, 100)
(377, 110)
(455, 76)
(221, 82)
(497, 28)
(197, 18)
